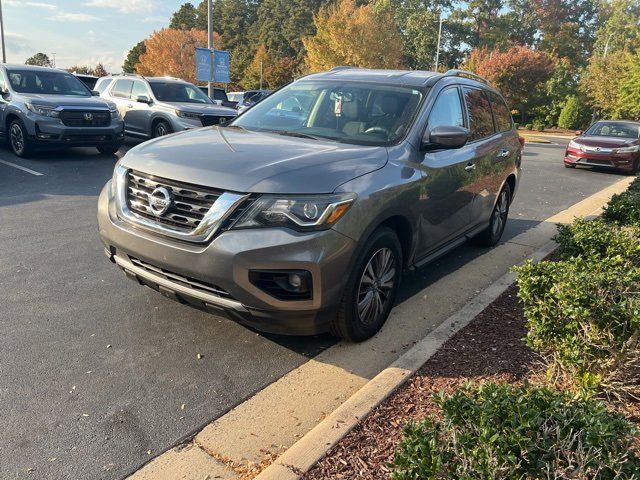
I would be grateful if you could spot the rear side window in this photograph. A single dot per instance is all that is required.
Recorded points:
(447, 111)
(500, 113)
(479, 109)
(122, 88)
(102, 84)
(139, 90)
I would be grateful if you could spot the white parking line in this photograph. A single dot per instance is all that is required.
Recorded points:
(24, 169)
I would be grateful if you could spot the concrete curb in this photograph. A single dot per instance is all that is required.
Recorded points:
(313, 446)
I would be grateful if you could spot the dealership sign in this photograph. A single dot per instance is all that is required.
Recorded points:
(212, 65)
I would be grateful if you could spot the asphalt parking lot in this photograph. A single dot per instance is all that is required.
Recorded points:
(98, 374)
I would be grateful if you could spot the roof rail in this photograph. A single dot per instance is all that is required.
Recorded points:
(466, 74)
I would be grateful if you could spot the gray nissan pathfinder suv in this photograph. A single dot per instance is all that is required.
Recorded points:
(47, 107)
(300, 216)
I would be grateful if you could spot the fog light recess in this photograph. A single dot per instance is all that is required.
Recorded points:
(288, 285)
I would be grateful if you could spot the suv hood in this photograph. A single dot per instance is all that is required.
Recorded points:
(254, 162)
(66, 101)
(209, 109)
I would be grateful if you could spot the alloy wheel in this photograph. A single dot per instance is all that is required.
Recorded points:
(376, 285)
(17, 138)
(500, 213)
(161, 130)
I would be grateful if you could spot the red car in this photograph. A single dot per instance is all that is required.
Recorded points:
(607, 143)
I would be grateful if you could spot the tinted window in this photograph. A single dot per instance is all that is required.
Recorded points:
(122, 88)
(139, 89)
(447, 110)
(480, 118)
(614, 129)
(49, 82)
(178, 92)
(219, 95)
(102, 84)
(501, 113)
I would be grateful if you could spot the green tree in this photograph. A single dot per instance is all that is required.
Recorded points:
(600, 83)
(619, 27)
(184, 18)
(40, 59)
(629, 106)
(562, 85)
(521, 22)
(574, 114)
(133, 57)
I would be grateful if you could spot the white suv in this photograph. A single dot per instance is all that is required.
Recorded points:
(156, 106)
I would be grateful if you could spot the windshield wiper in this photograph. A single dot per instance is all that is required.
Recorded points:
(294, 134)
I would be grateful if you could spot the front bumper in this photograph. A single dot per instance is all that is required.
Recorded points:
(620, 161)
(52, 132)
(177, 268)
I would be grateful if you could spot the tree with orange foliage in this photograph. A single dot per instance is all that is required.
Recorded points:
(519, 72)
(359, 36)
(171, 52)
(276, 72)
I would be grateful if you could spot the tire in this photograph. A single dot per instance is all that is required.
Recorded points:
(109, 149)
(491, 236)
(18, 141)
(376, 276)
(161, 128)
(568, 165)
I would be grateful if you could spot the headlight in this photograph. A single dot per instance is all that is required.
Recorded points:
(115, 114)
(43, 110)
(576, 145)
(634, 149)
(301, 213)
(193, 116)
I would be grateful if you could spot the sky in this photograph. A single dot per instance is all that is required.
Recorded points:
(81, 32)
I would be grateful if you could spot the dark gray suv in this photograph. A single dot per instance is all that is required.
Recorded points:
(47, 107)
(300, 216)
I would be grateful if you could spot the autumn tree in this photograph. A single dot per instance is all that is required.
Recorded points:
(40, 59)
(359, 36)
(172, 52)
(276, 72)
(519, 73)
(133, 57)
(99, 70)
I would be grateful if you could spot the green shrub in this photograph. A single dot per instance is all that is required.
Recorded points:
(583, 318)
(516, 125)
(507, 432)
(624, 209)
(597, 238)
(529, 126)
(574, 114)
(539, 126)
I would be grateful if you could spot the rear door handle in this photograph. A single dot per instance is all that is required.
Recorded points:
(504, 154)
(470, 167)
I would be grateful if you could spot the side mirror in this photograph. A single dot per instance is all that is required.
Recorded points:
(579, 132)
(445, 137)
(143, 99)
(95, 93)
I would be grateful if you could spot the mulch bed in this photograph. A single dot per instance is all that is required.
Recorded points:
(490, 348)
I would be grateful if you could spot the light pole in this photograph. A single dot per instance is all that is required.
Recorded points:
(210, 35)
(439, 38)
(4, 53)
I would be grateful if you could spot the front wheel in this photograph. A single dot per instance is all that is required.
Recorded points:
(18, 140)
(371, 289)
(109, 149)
(491, 236)
(161, 128)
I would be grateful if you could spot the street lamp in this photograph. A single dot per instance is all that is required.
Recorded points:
(210, 36)
(4, 53)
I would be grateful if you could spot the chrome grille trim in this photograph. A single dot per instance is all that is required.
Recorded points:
(195, 216)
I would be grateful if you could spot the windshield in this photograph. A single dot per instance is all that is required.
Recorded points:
(47, 83)
(614, 129)
(178, 92)
(358, 113)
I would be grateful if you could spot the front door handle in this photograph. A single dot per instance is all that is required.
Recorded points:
(130, 106)
(504, 154)
(470, 167)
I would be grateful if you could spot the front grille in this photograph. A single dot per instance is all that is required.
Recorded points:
(190, 203)
(85, 118)
(208, 120)
(188, 282)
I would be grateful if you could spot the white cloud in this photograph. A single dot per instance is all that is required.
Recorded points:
(127, 6)
(154, 19)
(18, 3)
(17, 43)
(73, 17)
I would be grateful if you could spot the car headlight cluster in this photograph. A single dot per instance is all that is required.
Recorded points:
(302, 213)
(576, 145)
(634, 149)
(115, 113)
(43, 110)
(193, 116)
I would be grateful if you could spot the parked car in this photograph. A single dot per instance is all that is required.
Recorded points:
(45, 107)
(245, 100)
(607, 143)
(89, 80)
(219, 96)
(304, 223)
(156, 106)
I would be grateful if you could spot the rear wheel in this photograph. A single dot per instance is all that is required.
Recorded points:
(18, 140)
(493, 233)
(109, 149)
(371, 289)
(161, 128)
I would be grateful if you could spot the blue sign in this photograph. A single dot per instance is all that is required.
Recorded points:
(221, 65)
(204, 70)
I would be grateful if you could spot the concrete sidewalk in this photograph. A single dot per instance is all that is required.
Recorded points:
(252, 435)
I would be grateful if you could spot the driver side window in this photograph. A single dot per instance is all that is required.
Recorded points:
(447, 111)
